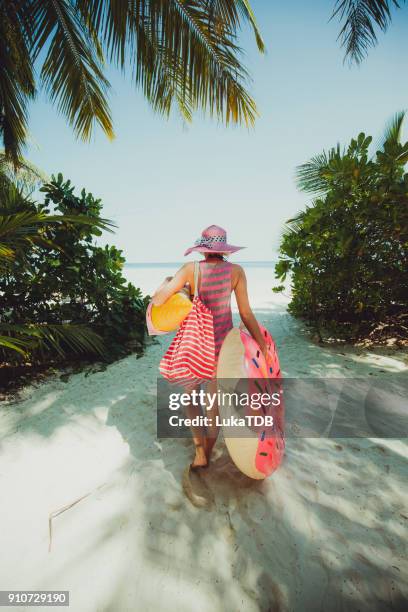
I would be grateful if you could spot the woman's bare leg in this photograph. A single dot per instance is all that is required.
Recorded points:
(199, 438)
(213, 429)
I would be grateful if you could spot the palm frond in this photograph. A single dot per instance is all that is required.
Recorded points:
(359, 18)
(247, 12)
(290, 229)
(51, 338)
(6, 252)
(77, 338)
(391, 139)
(311, 177)
(71, 72)
(209, 73)
(230, 13)
(393, 129)
(24, 173)
(19, 232)
(12, 197)
(17, 86)
(13, 344)
(181, 51)
(24, 229)
(26, 223)
(294, 225)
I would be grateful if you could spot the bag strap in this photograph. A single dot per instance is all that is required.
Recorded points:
(196, 269)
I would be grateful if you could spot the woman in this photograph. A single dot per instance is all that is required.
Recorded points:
(218, 278)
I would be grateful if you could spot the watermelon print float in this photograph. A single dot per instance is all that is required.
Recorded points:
(256, 453)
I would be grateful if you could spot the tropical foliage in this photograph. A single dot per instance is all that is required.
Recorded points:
(178, 51)
(60, 293)
(347, 253)
(359, 20)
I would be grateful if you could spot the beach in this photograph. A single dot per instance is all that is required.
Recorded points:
(93, 503)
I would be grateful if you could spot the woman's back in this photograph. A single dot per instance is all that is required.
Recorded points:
(214, 289)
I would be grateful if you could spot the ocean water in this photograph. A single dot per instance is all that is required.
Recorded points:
(260, 279)
(177, 264)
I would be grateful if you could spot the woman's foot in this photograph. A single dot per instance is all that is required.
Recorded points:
(200, 459)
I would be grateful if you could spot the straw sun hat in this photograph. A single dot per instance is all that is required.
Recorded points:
(213, 240)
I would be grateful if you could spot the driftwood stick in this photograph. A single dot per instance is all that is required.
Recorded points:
(59, 511)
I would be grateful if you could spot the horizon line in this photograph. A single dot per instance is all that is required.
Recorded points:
(167, 263)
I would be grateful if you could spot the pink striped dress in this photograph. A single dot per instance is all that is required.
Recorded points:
(214, 289)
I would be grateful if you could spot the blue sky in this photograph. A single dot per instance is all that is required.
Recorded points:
(162, 182)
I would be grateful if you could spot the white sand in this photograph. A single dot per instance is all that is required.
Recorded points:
(327, 531)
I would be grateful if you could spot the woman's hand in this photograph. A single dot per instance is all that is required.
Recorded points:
(264, 350)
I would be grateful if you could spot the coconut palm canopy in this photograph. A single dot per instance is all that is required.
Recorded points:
(178, 51)
(181, 52)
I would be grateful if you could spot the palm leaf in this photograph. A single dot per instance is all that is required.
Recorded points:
(25, 224)
(215, 77)
(71, 72)
(24, 229)
(181, 51)
(25, 175)
(311, 176)
(51, 337)
(6, 251)
(245, 8)
(392, 136)
(13, 344)
(78, 338)
(359, 18)
(393, 129)
(17, 85)
(294, 225)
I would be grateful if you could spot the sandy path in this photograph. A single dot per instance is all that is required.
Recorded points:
(327, 532)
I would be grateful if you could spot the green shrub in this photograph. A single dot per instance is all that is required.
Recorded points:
(65, 278)
(347, 253)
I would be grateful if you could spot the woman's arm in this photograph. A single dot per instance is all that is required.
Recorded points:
(171, 285)
(245, 311)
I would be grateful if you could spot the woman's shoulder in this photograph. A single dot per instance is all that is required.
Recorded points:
(237, 269)
(237, 272)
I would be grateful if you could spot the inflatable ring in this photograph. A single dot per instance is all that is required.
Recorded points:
(257, 453)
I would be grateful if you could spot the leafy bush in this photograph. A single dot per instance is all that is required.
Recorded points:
(347, 253)
(64, 278)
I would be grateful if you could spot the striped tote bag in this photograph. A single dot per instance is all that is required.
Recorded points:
(190, 357)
